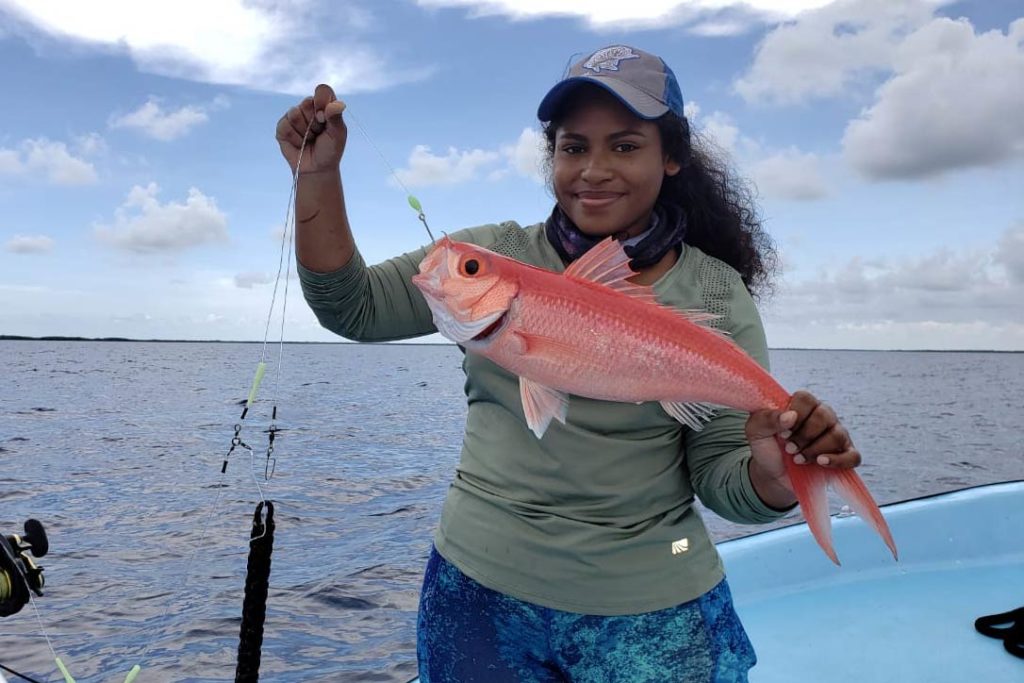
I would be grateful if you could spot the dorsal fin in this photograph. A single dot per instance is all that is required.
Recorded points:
(607, 264)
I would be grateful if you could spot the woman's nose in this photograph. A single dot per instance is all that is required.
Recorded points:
(596, 169)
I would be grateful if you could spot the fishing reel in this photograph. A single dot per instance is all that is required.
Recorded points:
(18, 572)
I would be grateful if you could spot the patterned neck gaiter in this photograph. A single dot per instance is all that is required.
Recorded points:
(667, 230)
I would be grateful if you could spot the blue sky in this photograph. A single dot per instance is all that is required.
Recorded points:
(142, 193)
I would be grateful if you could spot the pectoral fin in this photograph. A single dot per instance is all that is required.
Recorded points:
(541, 404)
(607, 264)
(693, 415)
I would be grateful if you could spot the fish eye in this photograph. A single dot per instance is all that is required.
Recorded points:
(471, 267)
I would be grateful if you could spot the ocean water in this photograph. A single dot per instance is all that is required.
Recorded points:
(117, 449)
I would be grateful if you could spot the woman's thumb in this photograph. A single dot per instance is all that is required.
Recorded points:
(332, 113)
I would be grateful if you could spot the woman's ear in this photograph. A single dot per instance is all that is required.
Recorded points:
(672, 167)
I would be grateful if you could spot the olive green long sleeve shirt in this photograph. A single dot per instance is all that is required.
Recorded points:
(597, 517)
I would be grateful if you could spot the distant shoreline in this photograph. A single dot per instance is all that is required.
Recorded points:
(14, 337)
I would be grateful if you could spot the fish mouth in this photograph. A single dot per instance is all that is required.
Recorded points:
(491, 329)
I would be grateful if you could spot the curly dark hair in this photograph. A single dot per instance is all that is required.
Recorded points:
(722, 217)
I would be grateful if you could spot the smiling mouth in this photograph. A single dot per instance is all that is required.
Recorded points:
(597, 199)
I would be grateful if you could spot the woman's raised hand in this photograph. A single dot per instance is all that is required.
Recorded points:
(327, 135)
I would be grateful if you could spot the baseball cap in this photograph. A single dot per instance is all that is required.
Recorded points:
(641, 81)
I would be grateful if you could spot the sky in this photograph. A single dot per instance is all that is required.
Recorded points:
(143, 195)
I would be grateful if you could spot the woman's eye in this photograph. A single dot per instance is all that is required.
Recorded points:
(572, 149)
(625, 147)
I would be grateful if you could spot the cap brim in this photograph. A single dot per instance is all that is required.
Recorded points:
(636, 100)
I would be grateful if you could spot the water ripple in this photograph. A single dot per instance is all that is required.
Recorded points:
(149, 539)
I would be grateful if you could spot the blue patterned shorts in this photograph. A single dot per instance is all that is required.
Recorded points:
(468, 633)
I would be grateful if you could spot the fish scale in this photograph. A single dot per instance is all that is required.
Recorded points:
(591, 332)
(637, 355)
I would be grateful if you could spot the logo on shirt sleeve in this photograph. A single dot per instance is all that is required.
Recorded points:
(680, 546)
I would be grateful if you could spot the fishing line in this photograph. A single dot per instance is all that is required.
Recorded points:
(42, 629)
(236, 441)
(284, 263)
(413, 202)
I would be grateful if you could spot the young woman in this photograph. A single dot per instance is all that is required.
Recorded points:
(580, 556)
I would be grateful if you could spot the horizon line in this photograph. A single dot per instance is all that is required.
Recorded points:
(15, 337)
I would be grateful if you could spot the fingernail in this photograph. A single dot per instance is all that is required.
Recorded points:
(823, 460)
(320, 116)
(791, 447)
(786, 434)
(800, 460)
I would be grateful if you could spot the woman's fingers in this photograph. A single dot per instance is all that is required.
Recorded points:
(300, 116)
(818, 436)
(306, 122)
(813, 426)
(333, 110)
(767, 423)
(322, 96)
(833, 448)
(286, 133)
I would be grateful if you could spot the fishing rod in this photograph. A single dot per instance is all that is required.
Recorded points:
(257, 581)
(20, 576)
(263, 525)
(19, 573)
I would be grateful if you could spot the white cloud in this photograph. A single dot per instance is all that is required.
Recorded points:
(949, 299)
(784, 174)
(830, 51)
(790, 174)
(50, 159)
(90, 144)
(1003, 335)
(718, 130)
(527, 155)
(1010, 253)
(941, 271)
(280, 45)
(955, 101)
(10, 162)
(948, 98)
(152, 120)
(706, 17)
(29, 244)
(426, 168)
(143, 225)
(248, 280)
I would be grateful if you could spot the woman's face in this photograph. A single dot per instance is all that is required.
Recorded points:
(608, 165)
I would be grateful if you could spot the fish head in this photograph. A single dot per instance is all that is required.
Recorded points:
(468, 289)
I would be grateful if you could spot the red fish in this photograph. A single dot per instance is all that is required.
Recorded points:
(591, 332)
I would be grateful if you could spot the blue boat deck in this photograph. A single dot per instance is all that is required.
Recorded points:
(874, 620)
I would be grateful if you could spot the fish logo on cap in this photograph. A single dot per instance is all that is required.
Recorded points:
(609, 58)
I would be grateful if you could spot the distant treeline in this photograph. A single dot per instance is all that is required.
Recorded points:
(14, 337)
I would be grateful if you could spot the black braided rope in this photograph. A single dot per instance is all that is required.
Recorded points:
(23, 676)
(254, 607)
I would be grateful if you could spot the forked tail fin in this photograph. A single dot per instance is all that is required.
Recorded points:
(849, 485)
(810, 485)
